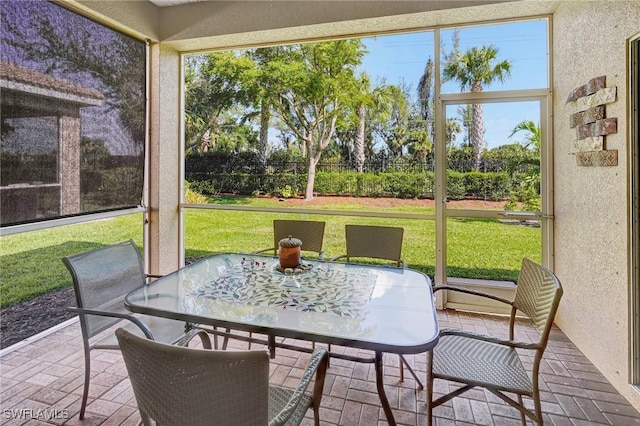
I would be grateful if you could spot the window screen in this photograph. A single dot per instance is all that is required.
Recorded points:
(73, 114)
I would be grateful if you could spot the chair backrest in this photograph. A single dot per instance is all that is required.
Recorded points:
(377, 242)
(176, 385)
(538, 295)
(310, 232)
(102, 278)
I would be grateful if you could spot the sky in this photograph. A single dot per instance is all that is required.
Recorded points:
(402, 57)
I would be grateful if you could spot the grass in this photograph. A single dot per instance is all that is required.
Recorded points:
(30, 263)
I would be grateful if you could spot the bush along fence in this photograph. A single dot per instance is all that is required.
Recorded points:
(493, 186)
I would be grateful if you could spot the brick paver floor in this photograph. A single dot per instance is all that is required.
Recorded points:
(41, 383)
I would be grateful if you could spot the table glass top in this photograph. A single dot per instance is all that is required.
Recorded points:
(370, 306)
(259, 283)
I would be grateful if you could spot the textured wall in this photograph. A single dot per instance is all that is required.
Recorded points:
(225, 24)
(164, 184)
(591, 205)
(70, 167)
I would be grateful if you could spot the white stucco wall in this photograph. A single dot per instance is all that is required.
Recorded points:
(591, 203)
(164, 184)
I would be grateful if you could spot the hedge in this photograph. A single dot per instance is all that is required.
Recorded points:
(490, 185)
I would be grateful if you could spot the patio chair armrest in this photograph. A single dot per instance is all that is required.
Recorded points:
(473, 292)
(262, 250)
(153, 276)
(129, 317)
(333, 259)
(320, 256)
(491, 339)
(317, 366)
(191, 334)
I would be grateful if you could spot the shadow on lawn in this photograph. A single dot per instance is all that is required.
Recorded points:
(40, 269)
(42, 307)
(29, 274)
(230, 199)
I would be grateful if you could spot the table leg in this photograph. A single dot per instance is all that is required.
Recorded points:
(272, 345)
(381, 393)
(404, 363)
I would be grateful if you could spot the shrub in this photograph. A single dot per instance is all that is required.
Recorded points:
(122, 186)
(335, 183)
(494, 185)
(455, 185)
(286, 192)
(275, 184)
(193, 197)
(512, 202)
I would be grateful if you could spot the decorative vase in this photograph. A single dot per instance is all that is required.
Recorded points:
(289, 252)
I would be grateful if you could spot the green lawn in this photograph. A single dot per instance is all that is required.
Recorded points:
(477, 248)
(30, 263)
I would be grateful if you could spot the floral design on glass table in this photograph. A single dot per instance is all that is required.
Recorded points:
(343, 291)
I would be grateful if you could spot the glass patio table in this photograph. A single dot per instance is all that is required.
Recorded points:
(375, 308)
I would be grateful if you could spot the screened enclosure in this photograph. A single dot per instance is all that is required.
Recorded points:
(73, 115)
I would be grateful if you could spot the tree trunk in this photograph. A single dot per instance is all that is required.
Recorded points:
(314, 150)
(359, 142)
(263, 143)
(477, 135)
(311, 177)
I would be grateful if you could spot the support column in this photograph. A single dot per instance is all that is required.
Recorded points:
(69, 143)
(162, 236)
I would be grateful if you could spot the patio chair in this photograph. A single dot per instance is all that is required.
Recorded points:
(186, 386)
(101, 280)
(492, 362)
(375, 242)
(310, 232)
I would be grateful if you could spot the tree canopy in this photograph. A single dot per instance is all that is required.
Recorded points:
(308, 99)
(474, 69)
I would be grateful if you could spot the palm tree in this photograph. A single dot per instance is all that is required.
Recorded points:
(452, 129)
(529, 191)
(531, 142)
(473, 69)
(392, 126)
(532, 139)
(425, 85)
(425, 96)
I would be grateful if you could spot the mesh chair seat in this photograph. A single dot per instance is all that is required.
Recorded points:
(310, 232)
(101, 280)
(377, 242)
(374, 242)
(480, 363)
